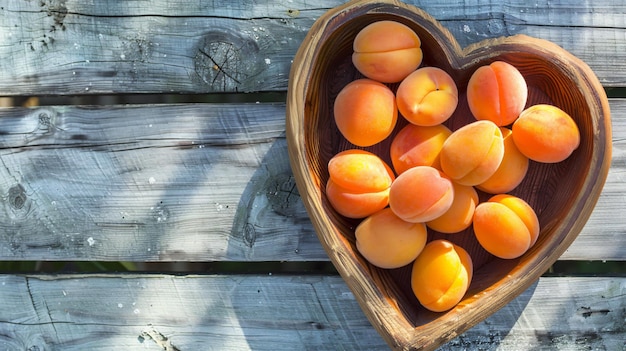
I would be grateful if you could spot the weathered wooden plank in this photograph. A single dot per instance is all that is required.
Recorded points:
(554, 314)
(77, 47)
(199, 182)
(185, 182)
(244, 312)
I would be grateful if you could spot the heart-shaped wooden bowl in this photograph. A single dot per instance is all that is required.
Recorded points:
(562, 194)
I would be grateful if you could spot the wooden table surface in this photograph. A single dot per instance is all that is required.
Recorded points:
(141, 150)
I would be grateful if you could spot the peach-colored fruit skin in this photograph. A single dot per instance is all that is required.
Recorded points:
(459, 216)
(365, 112)
(497, 92)
(387, 241)
(505, 226)
(360, 171)
(545, 133)
(386, 51)
(441, 275)
(427, 96)
(523, 210)
(353, 204)
(421, 194)
(418, 146)
(472, 153)
(511, 171)
(359, 183)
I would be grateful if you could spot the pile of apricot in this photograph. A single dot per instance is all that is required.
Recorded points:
(435, 172)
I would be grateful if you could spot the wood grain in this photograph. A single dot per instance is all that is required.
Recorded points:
(77, 47)
(185, 182)
(248, 312)
(212, 182)
(140, 183)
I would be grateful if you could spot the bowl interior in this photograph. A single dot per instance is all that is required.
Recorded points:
(555, 191)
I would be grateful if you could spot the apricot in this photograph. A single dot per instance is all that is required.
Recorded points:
(473, 153)
(359, 183)
(386, 51)
(497, 92)
(459, 216)
(421, 194)
(427, 96)
(511, 171)
(355, 205)
(387, 241)
(360, 171)
(417, 146)
(506, 226)
(441, 275)
(365, 112)
(545, 133)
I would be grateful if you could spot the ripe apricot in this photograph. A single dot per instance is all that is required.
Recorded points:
(523, 210)
(511, 171)
(545, 133)
(506, 226)
(353, 204)
(459, 216)
(365, 112)
(386, 51)
(360, 171)
(472, 153)
(421, 194)
(417, 146)
(441, 275)
(427, 96)
(359, 183)
(387, 241)
(497, 92)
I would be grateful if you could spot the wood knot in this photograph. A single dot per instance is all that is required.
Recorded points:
(17, 202)
(225, 59)
(283, 195)
(496, 26)
(45, 122)
(17, 197)
(249, 235)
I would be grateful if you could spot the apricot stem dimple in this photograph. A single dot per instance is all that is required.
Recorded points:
(427, 96)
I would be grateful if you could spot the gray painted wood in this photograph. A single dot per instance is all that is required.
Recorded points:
(248, 312)
(188, 182)
(78, 47)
